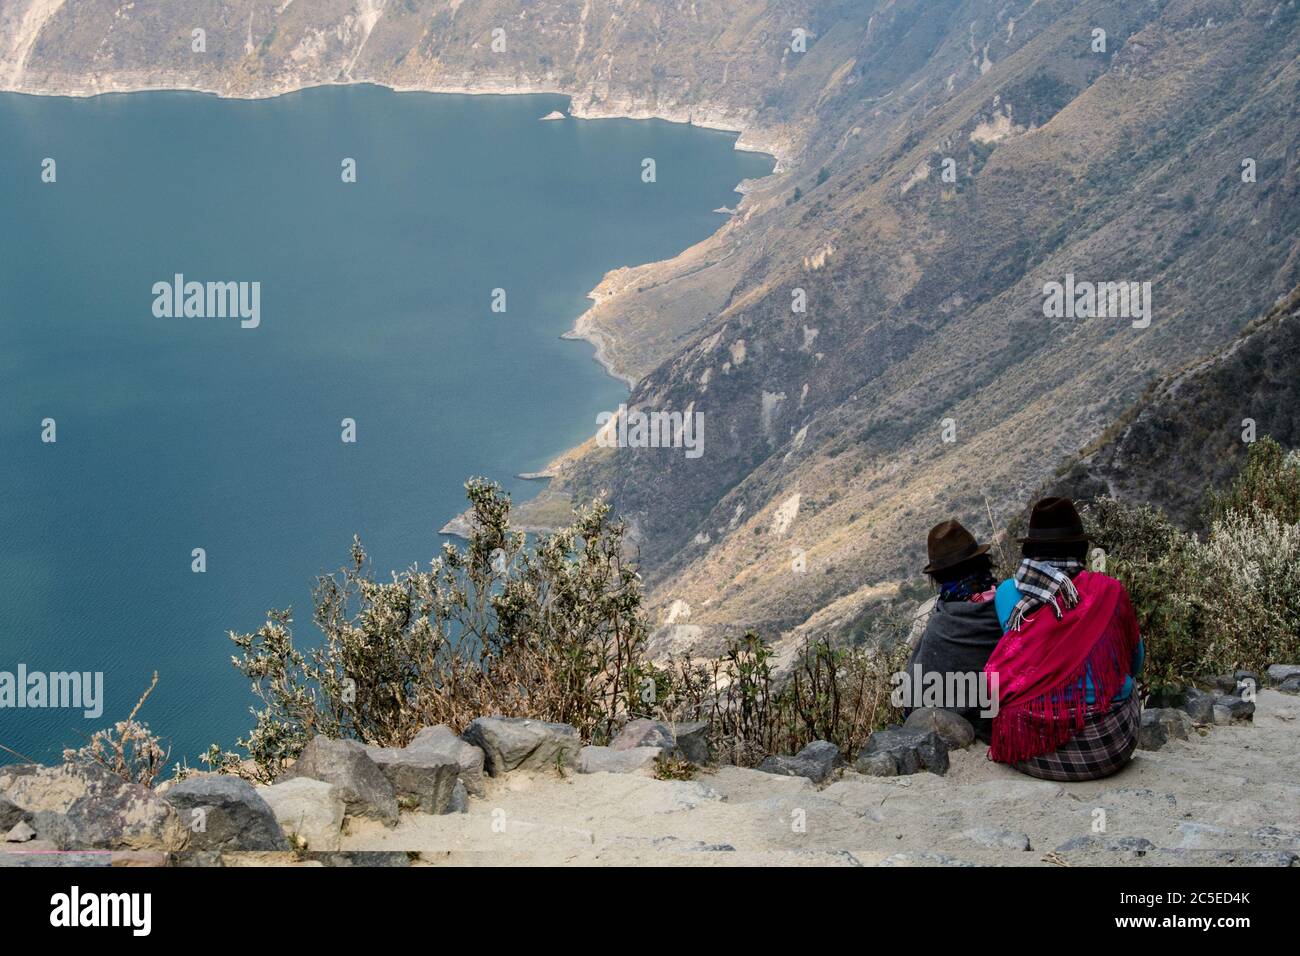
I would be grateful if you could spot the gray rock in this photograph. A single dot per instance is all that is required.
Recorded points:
(1199, 705)
(644, 733)
(443, 741)
(609, 760)
(954, 729)
(1277, 673)
(816, 762)
(1291, 685)
(11, 814)
(876, 765)
(997, 839)
(459, 798)
(692, 737)
(517, 743)
(83, 806)
(1177, 724)
(1236, 707)
(20, 832)
(225, 813)
(1224, 683)
(422, 778)
(365, 790)
(1246, 679)
(911, 750)
(1152, 734)
(310, 809)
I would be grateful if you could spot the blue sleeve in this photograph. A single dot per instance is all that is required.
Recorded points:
(1005, 599)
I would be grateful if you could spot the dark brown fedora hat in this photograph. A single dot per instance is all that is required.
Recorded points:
(1054, 521)
(950, 543)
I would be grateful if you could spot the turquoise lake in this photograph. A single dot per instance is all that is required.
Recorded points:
(375, 305)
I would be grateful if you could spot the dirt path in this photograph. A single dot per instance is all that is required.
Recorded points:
(1228, 796)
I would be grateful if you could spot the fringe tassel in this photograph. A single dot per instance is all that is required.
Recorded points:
(1031, 728)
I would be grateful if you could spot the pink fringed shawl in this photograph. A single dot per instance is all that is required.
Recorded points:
(1042, 698)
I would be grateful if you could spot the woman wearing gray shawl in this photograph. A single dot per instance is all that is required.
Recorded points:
(963, 628)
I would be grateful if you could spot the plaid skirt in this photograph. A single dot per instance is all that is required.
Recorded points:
(1099, 749)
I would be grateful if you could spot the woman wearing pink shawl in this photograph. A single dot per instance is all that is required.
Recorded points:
(1067, 705)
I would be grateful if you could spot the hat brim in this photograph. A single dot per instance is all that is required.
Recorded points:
(953, 562)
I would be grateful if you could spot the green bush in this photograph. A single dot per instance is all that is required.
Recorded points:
(553, 632)
(1230, 599)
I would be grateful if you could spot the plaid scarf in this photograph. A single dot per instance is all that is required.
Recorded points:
(1044, 583)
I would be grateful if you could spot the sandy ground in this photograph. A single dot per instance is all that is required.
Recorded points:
(1228, 796)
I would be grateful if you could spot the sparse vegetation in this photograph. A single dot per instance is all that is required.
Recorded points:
(128, 749)
(552, 632)
(1208, 604)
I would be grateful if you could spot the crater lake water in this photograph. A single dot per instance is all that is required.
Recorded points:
(375, 305)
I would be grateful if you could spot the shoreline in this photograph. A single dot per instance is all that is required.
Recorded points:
(748, 139)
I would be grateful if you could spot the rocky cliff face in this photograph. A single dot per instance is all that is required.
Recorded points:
(866, 338)
(1192, 428)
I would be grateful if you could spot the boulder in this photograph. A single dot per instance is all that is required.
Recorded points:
(644, 733)
(816, 762)
(1199, 705)
(442, 740)
(1151, 732)
(517, 743)
(609, 760)
(422, 778)
(20, 832)
(225, 813)
(911, 751)
(1234, 708)
(364, 788)
(1246, 679)
(11, 814)
(310, 809)
(1162, 724)
(692, 737)
(85, 806)
(876, 765)
(954, 729)
(1278, 673)
(1224, 683)
(1291, 685)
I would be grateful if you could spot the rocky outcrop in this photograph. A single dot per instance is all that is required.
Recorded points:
(609, 760)
(422, 778)
(817, 762)
(363, 787)
(442, 741)
(953, 729)
(84, 806)
(517, 743)
(310, 811)
(899, 751)
(225, 814)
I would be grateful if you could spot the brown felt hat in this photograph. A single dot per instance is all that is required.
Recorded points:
(1054, 521)
(950, 543)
